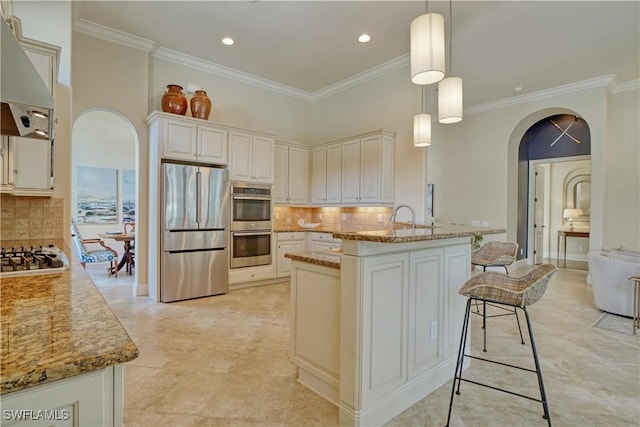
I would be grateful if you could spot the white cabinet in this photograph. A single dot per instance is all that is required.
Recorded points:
(318, 241)
(191, 139)
(90, 399)
(358, 170)
(32, 173)
(27, 163)
(287, 242)
(251, 157)
(368, 169)
(291, 177)
(327, 174)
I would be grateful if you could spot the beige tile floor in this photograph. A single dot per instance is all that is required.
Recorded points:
(223, 361)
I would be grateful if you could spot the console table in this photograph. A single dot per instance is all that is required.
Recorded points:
(568, 233)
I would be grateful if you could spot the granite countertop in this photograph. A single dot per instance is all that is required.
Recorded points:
(57, 326)
(329, 258)
(421, 233)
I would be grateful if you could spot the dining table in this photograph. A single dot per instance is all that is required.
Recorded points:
(127, 239)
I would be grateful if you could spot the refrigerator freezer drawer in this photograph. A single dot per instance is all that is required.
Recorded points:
(194, 274)
(194, 239)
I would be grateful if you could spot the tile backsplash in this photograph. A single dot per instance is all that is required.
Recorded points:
(371, 216)
(24, 218)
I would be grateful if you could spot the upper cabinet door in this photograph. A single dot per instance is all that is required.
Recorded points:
(263, 159)
(179, 140)
(319, 175)
(32, 160)
(298, 176)
(241, 160)
(281, 174)
(212, 145)
(334, 173)
(370, 169)
(351, 171)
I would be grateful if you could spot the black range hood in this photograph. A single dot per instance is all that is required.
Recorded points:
(26, 102)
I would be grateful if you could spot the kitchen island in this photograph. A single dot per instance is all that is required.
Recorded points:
(376, 328)
(62, 350)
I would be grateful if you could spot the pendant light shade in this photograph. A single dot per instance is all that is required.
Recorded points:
(450, 100)
(427, 49)
(422, 130)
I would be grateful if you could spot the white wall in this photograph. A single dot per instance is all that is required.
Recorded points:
(233, 103)
(113, 77)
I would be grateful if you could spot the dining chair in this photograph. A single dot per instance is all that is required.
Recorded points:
(130, 227)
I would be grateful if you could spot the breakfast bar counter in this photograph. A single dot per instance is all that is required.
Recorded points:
(59, 336)
(378, 330)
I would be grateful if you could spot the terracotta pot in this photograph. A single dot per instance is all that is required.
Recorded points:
(200, 105)
(174, 101)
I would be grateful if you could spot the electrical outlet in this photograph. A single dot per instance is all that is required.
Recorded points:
(380, 218)
(344, 217)
(319, 217)
(485, 223)
(475, 223)
(580, 248)
(277, 216)
(434, 329)
(521, 251)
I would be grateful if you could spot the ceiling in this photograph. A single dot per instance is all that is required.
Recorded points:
(310, 45)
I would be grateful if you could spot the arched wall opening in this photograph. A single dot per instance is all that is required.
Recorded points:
(520, 175)
(104, 173)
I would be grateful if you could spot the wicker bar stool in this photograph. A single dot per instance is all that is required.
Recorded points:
(495, 254)
(515, 292)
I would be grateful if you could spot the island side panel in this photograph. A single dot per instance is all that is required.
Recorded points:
(395, 294)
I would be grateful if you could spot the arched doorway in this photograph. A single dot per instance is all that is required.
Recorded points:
(550, 150)
(104, 173)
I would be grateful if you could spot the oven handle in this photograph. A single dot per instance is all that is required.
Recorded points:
(244, 233)
(251, 197)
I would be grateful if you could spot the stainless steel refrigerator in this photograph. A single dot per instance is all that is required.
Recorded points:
(194, 223)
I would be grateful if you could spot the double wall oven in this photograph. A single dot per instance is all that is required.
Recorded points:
(250, 224)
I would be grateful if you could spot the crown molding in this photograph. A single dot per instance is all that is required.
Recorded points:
(370, 74)
(627, 86)
(603, 81)
(109, 34)
(230, 73)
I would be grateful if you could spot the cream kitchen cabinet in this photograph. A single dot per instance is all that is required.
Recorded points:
(368, 169)
(27, 164)
(291, 174)
(318, 241)
(287, 242)
(189, 139)
(326, 164)
(26, 167)
(251, 157)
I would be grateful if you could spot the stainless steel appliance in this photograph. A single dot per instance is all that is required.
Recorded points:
(32, 260)
(250, 248)
(250, 206)
(27, 105)
(195, 231)
(250, 224)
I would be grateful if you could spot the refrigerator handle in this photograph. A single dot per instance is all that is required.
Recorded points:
(198, 178)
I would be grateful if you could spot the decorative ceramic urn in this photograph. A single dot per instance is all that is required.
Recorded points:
(200, 105)
(174, 101)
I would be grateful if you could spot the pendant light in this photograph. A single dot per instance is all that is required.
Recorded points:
(427, 48)
(422, 126)
(450, 88)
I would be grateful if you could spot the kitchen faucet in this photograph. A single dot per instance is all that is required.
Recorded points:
(392, 218)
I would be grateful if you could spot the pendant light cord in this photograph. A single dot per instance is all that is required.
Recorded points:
(451, 37)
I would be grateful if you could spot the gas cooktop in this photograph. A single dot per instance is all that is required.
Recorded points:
(18, 261)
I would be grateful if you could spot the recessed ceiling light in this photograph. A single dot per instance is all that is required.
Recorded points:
(364, 38)
(517, 88)
(228, 41)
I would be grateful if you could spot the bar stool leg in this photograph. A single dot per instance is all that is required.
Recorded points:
(543, 395)
(461, 348)
(515, 311)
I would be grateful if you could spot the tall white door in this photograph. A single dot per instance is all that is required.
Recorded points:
(538, 215)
